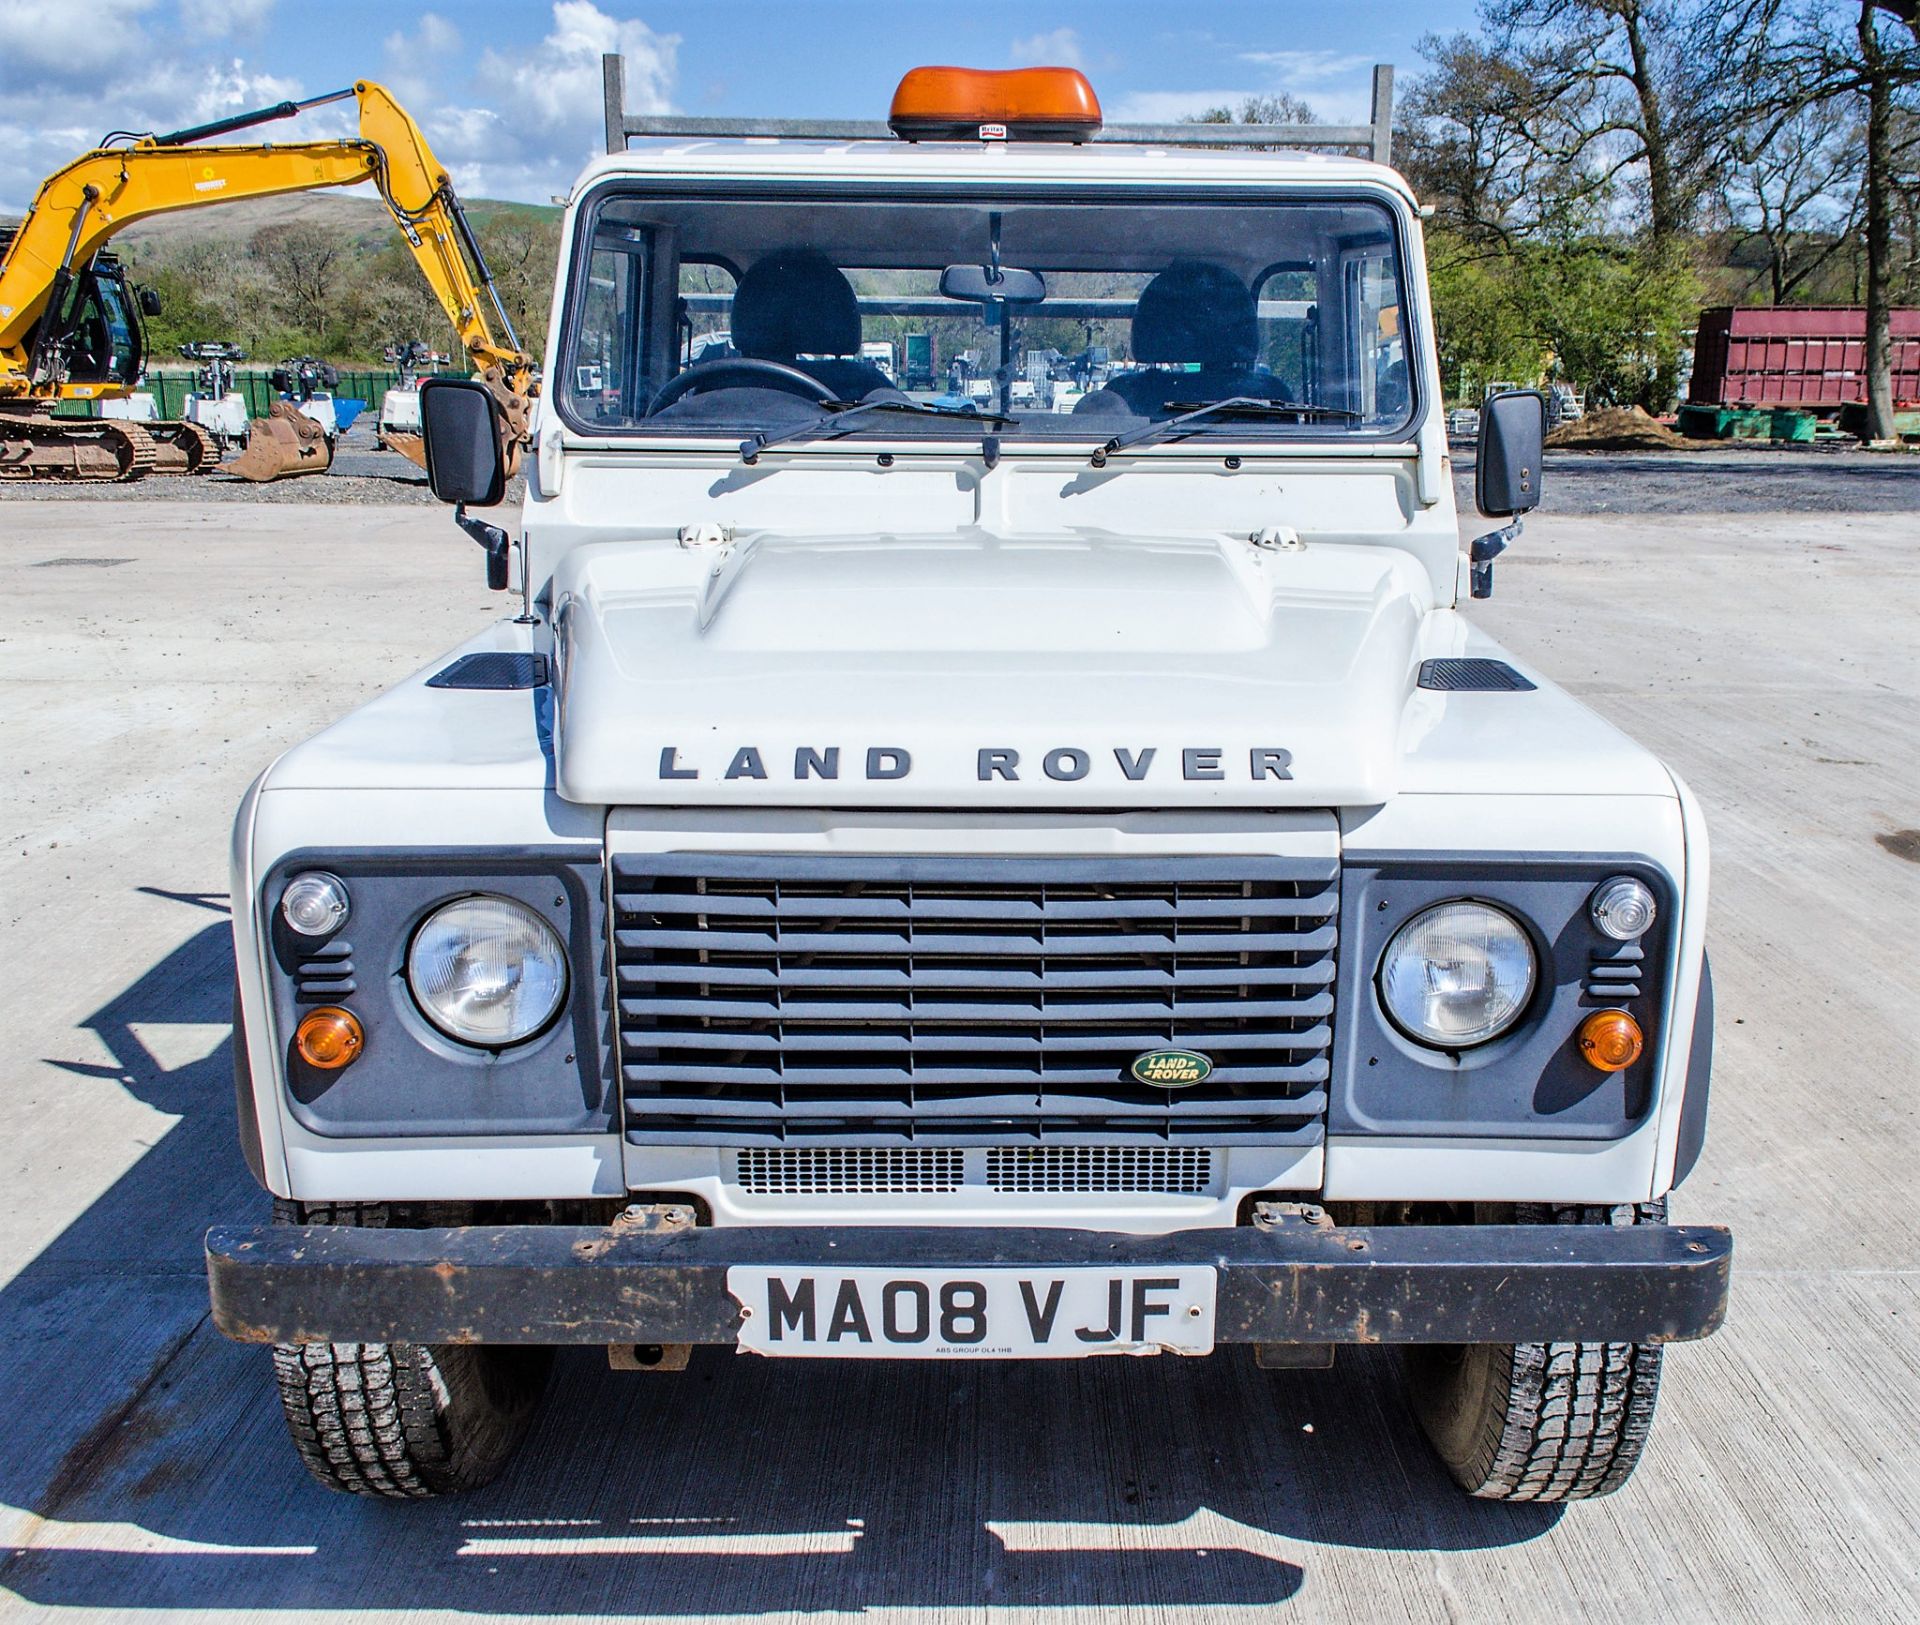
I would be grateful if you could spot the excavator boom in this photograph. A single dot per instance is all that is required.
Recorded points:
(80, 207)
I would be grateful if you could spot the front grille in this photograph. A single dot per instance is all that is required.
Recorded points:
(770, 999)
(1182, 1170)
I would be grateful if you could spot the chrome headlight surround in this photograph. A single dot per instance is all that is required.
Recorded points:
(1457, 975)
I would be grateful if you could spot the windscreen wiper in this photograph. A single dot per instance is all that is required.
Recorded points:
(1238, 406)
(838, 414)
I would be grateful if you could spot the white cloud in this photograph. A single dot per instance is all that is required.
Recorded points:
(541, 120)
(557, 83)
(44, 43)
(42, 129)
(222, 19)
(1058, 49)
(1338, 85)
(1300, 70)
(416, 62)
(433, 36)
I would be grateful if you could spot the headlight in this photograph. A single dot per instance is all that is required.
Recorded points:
(1457, 974)
(487, 970)
(314, 903)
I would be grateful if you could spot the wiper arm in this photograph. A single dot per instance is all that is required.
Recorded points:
(837, 414)
(1239, 406)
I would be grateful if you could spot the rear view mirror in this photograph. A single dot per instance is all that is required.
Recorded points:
(149, 302)
(464, 430)
(1513, 434)
(993, 284)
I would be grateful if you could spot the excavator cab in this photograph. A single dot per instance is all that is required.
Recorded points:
(99, 338)
(96, 336)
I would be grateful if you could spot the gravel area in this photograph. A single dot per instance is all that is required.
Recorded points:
(362, 475)
(1724, 479)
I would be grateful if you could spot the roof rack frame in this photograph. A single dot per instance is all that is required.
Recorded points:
(1375, 139)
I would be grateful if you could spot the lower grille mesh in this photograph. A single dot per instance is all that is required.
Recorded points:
(1185, 1170)
(1078, 1170)
(771, 999)
(851, 1171)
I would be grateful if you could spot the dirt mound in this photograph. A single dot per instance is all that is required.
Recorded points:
(1615, 428)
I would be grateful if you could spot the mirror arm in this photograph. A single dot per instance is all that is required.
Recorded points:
(1485, 550)
(495, 540)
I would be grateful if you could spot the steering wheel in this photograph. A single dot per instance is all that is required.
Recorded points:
(706, 375)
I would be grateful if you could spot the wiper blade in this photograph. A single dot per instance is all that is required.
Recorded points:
(1239, 406)
(836, 414)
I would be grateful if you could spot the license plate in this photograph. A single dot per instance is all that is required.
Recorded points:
(984, 1314)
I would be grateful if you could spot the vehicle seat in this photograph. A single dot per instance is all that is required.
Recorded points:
(1191, 312)
(796, 303)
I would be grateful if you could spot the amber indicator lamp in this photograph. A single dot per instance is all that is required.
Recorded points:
(1610, 1040)
(1030, 104)
(329, 1038)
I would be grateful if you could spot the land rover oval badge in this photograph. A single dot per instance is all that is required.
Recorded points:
(1172, 1068)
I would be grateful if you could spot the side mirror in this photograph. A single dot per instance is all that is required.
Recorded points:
(149, 302)
(465, 433)
(1513, 435)
(991, 284)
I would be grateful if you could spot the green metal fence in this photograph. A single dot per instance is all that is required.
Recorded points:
(170, 387)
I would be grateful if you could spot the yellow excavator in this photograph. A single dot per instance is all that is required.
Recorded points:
(70, 324)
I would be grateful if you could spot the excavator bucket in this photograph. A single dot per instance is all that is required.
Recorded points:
(410, 446)
(280, 445)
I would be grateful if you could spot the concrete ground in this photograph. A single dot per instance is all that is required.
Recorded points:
(156, 655)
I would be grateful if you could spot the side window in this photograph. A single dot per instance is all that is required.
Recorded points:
(706, 305)
(1379, 359)
(1289, 331)
(607, 379)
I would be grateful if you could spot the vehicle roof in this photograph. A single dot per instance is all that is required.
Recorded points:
(1014, 163)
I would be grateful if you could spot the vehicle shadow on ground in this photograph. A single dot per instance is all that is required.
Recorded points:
(146, 1466)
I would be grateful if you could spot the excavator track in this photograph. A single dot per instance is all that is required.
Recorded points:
(184, 448)
(67, 451)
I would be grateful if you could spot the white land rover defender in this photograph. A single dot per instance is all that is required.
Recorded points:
(1038, 870)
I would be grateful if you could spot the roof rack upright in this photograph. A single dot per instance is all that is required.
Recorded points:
(1375, 138)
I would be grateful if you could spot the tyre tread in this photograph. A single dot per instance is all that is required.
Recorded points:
(1561, 1421)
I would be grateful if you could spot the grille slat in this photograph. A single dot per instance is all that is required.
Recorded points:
(971, 1041)
(734, 906)
(988, 1001)
(1018, 944)
(858, 978)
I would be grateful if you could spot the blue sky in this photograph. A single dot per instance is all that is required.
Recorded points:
(509, 92)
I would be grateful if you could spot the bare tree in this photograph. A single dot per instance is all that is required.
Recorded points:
(1620, 97)
(303, 263)
(1279, 108)
(1462, 141)
(1795, 187)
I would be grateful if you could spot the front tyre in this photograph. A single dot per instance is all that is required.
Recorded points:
(403, 1420)
(1541, 1421)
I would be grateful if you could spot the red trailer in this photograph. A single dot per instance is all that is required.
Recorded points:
(1812, 357)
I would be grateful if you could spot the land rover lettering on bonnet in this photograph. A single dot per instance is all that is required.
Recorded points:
(985, 829)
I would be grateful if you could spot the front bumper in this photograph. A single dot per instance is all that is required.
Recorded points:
(651, 1278)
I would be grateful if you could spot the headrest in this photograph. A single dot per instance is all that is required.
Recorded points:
(1193, 311)
(795, 302)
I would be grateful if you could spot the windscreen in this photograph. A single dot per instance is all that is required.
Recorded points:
(1055, 318)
